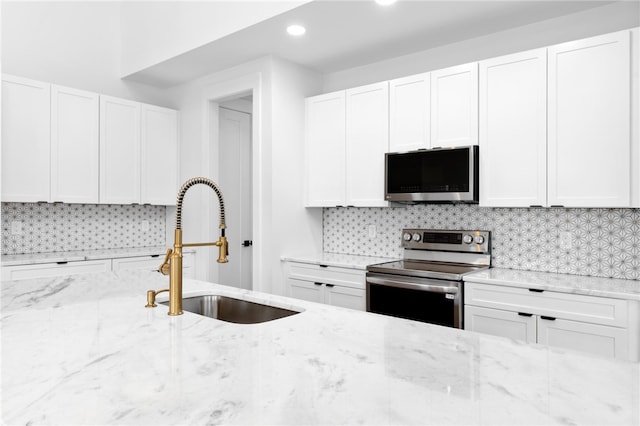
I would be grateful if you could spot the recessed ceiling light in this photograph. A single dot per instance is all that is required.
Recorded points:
(385, 2)
(296, 30)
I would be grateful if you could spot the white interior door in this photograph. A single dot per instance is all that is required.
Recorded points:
(235, 181)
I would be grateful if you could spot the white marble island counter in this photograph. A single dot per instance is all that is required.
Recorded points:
(84, 350)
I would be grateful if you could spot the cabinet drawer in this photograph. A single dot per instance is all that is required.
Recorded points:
(577, 307)
(149, 263)
(327, 275)
(44, 270)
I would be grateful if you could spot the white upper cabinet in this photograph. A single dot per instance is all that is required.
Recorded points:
(454, 106)
(367, 142)
(325, 150)
(159, 155)
(557, 126)
(589, 138)
(67, 145)
(74, 145)
(26, 139)
(410, 113)
(513, 130)
(119, 151)
(347, 135)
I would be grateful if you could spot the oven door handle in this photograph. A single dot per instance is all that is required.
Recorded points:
(433, 288)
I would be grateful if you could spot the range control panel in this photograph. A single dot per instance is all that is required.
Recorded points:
(444, 240)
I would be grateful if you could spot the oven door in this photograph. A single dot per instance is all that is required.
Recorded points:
(420, 299)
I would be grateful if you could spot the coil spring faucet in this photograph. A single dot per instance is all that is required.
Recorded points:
(172, 264)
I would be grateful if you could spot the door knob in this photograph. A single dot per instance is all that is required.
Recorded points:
(247, 243)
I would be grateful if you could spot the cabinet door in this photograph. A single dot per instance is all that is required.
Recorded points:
(74, 145)
(325, 150)
(26, 135)
(500, 323)
(345, 297)
(513, 130)
(159, 155)
(119, 151)
(367, 142)
(147, 263)
(584, 337)
(189, 265)
(589, 122)
(24, 272)
(454, 106)
(306, 290)
(409, 113)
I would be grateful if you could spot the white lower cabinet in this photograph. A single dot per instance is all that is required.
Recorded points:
(48, 270)
(592, 338)
(148, 263)
(188, 265)
(152, 263)
(336, 286)
(597, 325)
(500, 323)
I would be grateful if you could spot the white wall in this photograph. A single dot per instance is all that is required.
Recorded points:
(610, 18)
(75, 44)
(281, 224)
(159, 30)
(297, 229)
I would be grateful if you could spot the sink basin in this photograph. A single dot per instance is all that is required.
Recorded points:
(232, 310)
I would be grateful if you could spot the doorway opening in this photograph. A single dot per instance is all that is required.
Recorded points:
(235, 175)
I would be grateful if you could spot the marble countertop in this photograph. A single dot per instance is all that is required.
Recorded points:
(84, 350)
(78, 255)
(565, 283)
(337, 259)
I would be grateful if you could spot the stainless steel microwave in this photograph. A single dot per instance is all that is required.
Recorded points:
(440, 175)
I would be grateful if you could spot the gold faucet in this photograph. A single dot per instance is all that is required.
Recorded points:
(172, 264)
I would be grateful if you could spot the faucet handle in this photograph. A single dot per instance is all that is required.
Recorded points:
(165, 268)
(223, 244)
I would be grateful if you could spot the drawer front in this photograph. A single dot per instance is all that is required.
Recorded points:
(148, 263)
(577, 307)
(327, 275)
(24, 272)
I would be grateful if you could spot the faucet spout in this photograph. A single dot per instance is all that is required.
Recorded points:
(172, 264)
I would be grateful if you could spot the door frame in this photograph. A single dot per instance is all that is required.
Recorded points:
(210, 144)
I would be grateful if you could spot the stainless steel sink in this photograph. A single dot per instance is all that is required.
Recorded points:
(232, 310)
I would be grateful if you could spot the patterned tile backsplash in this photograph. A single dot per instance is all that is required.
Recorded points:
(64, 227)
(604, 242)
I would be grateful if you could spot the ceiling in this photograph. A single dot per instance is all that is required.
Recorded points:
(343, 34)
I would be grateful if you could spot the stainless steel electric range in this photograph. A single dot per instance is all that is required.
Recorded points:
(426, 285)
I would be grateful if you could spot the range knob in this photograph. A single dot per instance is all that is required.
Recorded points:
(479, 239)
(467, 239)
(406, 236)
(416, 237)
